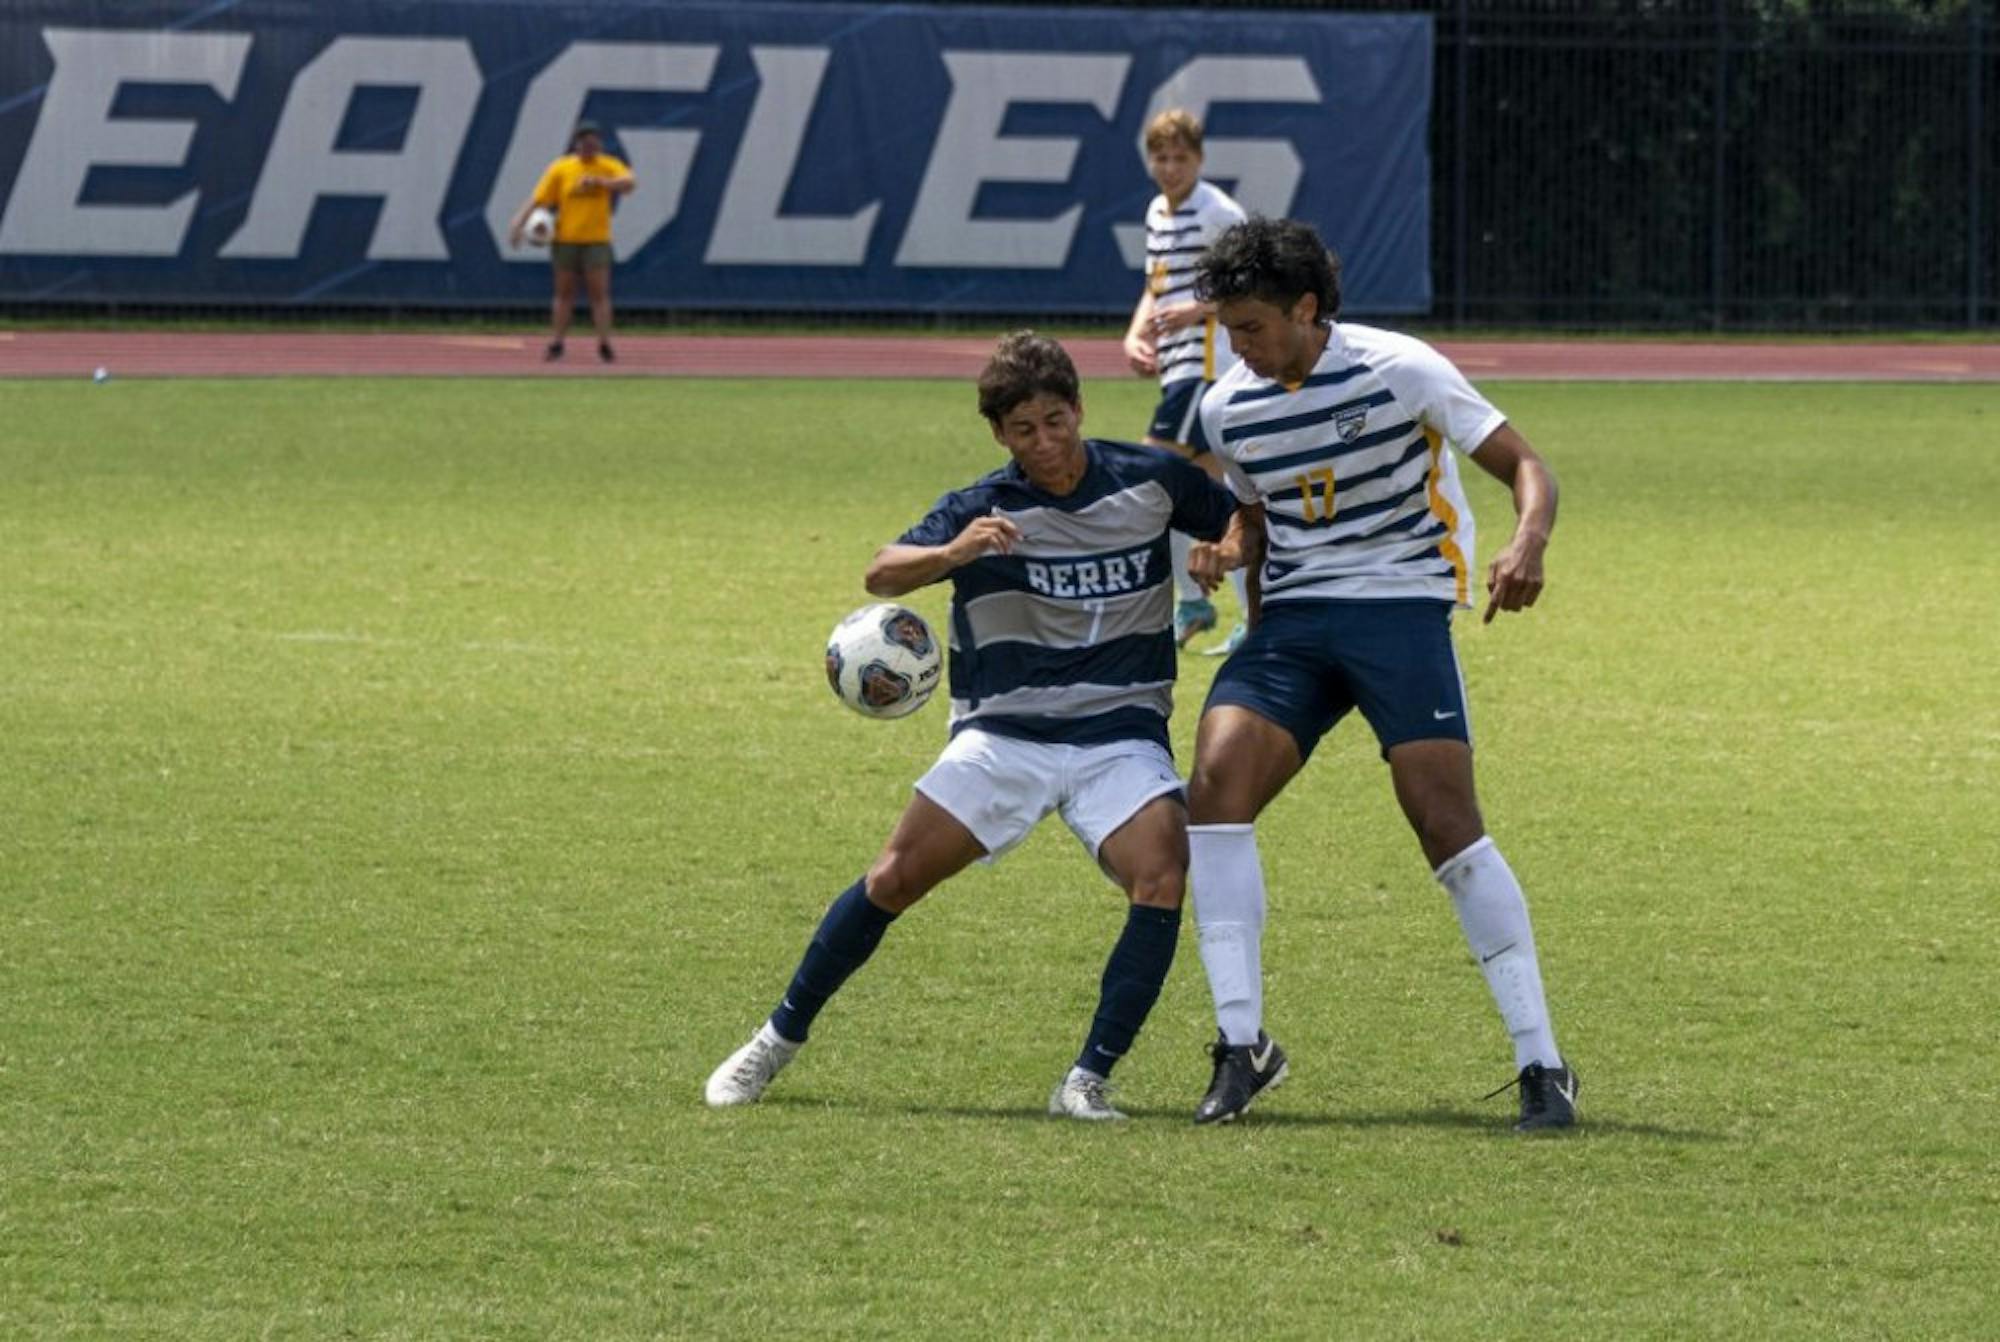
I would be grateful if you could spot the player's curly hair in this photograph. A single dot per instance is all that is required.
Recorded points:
(1275, 261)
(1025, 365)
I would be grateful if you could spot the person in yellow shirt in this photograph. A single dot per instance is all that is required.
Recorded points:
(580, 187)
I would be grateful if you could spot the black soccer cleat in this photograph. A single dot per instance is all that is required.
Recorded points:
(1242, 1073)
(1548, 1097)
(604, 352)
(553, 352)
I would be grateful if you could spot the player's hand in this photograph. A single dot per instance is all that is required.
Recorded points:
(1175, 317)
(1514, 578)
(1140, 354)
(1209, 562)
(983, 536)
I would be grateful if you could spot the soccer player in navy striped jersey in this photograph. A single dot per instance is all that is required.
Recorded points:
(1339, 442)
(1061, 670)
(1174, 334)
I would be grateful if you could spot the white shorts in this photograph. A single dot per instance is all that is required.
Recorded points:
(1000, 787)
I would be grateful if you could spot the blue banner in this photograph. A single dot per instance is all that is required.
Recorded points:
(788, 156)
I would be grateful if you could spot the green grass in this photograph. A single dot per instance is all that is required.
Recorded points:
(408, 791)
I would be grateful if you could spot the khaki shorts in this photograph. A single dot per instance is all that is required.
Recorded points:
(580, 256)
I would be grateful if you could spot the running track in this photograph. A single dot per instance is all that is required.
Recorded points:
(60, 354)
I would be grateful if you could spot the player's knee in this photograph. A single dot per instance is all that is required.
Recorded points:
(1446, 830)
(1216, 797)
(1160, 888)
(895, 882)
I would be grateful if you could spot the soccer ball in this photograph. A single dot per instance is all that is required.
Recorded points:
(541, 225)
(883, 661)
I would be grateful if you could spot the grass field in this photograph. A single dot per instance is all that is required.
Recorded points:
(409, 790)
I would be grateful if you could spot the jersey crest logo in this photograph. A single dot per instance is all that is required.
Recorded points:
(1349, 420)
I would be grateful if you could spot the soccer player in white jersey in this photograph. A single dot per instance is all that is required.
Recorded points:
(1174, 334)
(1339, 442)
(1061, 670)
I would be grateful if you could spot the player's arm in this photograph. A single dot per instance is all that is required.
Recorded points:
(545, 192)
(1139, 350)
(1514, 578)
(1242, 543)
(898, 568)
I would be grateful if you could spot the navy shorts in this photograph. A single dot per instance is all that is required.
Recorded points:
(1306, 663)
(1174, 418)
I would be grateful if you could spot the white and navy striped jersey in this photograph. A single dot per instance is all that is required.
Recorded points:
(1175, 240)
(1070, 639)
(1355, 468)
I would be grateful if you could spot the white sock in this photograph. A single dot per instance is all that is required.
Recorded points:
(1186, 588)
(1239, 580)
(1228, 883)
(1494, 914)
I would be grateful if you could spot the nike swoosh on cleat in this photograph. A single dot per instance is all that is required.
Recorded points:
(1261, 1062)
(1488, 959)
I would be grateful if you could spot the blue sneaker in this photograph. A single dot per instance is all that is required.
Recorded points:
(1191, 618)
(1230, 644)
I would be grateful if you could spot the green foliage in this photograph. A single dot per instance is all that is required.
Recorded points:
(412, 789)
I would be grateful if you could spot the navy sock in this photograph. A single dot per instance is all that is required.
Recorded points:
(847, 936)
(1132, 979)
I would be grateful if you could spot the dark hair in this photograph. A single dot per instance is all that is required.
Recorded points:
(1276, 261)
(1024, 366)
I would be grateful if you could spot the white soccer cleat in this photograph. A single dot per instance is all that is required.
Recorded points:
(1083, 1095)
(744, 1074)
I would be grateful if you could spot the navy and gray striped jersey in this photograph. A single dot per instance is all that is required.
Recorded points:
(1176, 237)
(1070, 639)
(1353, 466)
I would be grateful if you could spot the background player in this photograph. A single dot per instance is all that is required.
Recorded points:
(1174, 333)
(1061, 668)
(1338, 441)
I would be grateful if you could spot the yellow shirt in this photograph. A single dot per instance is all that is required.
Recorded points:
(583, 213)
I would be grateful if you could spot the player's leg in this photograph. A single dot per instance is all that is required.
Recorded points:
(982, 796)
(597, 284)
(1434, 785)
(563, 303)
(1414, 696)
(1136, 797)
(1268, 708)
(1242, 761)
(928, 846)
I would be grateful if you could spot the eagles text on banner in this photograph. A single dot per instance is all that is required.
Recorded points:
(817, 156)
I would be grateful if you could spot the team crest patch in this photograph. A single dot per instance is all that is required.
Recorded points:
(1349, 420)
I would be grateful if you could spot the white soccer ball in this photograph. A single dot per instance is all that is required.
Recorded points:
(883, 661)
(541, 225)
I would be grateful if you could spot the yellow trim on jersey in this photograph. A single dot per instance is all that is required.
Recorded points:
(1208, 349)
(1445, 513)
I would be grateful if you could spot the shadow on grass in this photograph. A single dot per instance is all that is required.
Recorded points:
(1436, 1117)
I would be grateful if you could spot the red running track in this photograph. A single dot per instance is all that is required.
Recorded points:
(59, 354)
